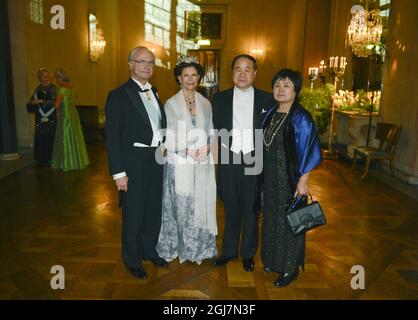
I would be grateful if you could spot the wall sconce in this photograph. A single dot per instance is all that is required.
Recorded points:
(96, 40)
(257, 52)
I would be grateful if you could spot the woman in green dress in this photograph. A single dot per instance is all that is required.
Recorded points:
(70, 152)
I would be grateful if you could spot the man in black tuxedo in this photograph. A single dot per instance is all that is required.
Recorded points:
(238, 111)
(134, 119)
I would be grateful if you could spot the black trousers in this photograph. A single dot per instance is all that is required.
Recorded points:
(141, 209)
(241, 223)
(44, 145)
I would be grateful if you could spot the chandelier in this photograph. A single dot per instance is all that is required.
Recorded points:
(365, 30)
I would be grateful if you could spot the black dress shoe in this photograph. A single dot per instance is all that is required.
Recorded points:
(221, 261)
(248, 265)
(286, 278)
(267, 269)
(159, 262)
(138, 272)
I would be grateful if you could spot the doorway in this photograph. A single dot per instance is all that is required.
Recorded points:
(210, 61)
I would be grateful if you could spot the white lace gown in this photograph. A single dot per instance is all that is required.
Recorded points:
(188, 232)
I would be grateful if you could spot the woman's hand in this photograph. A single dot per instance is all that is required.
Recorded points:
(302, 187)
(200, 154)
(193, 153)
(203, 152)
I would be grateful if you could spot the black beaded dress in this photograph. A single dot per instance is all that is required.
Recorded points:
(281, 251)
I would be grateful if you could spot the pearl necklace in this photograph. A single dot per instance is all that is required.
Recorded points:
(273, 129)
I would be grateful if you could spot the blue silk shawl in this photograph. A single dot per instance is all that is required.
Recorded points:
(306, 140)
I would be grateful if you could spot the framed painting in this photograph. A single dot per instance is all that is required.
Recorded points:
(209, 23)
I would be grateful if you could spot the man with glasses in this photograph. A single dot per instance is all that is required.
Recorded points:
(134, 120)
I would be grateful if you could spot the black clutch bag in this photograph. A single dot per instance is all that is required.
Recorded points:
(303, 217)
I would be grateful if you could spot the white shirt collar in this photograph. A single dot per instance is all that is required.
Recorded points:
(142, 86)
(239, 91)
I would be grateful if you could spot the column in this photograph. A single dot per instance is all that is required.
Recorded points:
(8, 136)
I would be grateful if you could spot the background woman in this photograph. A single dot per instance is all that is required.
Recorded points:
(70, 150)
(188, 228)
(291, 151)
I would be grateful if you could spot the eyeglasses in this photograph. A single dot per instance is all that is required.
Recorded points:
(144, 62)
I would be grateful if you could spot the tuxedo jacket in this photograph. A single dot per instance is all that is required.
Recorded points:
(223, 119)
(223, 108)
(128, 126)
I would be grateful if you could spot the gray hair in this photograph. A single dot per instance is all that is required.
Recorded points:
(62, 74)
(134, 51)
(41, 71)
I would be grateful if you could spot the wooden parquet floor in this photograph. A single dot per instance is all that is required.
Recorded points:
(71, 219)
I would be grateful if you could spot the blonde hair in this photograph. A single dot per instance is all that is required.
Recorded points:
(41, 71)
(62, 74)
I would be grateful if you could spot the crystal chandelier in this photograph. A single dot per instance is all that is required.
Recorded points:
(365, 30)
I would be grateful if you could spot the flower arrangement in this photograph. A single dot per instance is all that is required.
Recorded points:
(319, 101)
(359, 101)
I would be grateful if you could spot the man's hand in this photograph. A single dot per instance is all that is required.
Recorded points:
(122, 183)
(36, 101)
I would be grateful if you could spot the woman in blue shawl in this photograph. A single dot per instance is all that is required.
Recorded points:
(291, 151)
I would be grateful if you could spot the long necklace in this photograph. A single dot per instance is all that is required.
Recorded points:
(273, 129)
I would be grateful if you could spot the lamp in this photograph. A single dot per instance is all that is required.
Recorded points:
(96, 40)
(322, 70)
(336, 69)
(200, 42)
(364, 34)
(203, 42)
(365, 30)
(313, 75)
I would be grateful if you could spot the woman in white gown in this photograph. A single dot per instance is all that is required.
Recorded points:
(188, 228)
